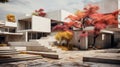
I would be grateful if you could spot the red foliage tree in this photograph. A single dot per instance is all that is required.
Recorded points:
(91, 17)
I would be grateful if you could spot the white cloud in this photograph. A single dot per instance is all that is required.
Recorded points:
(27, 6)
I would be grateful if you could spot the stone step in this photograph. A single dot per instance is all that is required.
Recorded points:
(110, 58)
(48, 42)
(44, 54)
(19, 57)
(39, 48)
(101, 60)
(49, 46)
(33, 46)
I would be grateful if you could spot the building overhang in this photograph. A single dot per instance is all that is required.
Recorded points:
(8, 33)
(25, 18)
(6, 24)
(114, 29)
(31, 31)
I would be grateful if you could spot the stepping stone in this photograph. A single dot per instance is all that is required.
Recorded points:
(44, 54)
(110, 58)
(19, 57)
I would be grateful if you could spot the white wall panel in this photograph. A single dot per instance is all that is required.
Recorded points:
(119, 14)
(58, 15)
(54, 15)
(11, 24)
(41, 24)
(64, 14)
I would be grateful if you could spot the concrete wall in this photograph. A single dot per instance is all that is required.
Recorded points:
(116, 38)
(16, 38)
(54, 15)
(24, 25)
(41, 24)
(107, 6)
(58, 15)
(102, 41)
(119, 14)
(64, 14)
(11, 24)
(80, 42)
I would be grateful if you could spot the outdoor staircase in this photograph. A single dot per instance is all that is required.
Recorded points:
(48, 42)
(44, 44)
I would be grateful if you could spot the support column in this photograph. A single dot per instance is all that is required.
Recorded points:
(118, 15)
(31, 35)
(36, 35)
(8, 29)
(26, 36)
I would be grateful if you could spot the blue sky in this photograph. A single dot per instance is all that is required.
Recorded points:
(21, 7)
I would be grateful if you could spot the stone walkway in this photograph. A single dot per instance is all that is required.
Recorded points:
(67, 59)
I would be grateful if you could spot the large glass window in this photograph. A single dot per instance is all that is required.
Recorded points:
(36, 35)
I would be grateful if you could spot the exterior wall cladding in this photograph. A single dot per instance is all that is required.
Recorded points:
(58, 15)
(41, 24)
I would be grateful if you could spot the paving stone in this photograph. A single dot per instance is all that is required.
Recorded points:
(44, 54)
(68, 59)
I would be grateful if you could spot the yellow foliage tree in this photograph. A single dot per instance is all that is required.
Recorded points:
(64, 35)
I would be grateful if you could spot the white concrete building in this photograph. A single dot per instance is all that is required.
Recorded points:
(8, 32)
(119, 14)
(34, 27)
(31, 27)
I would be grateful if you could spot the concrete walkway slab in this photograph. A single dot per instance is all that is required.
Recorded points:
(44, 54)
(19, 57)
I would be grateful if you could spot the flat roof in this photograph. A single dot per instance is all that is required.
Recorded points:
(114, 29)
(9, 33)
(29, 30)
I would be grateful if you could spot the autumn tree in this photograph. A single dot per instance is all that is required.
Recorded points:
(90, 17)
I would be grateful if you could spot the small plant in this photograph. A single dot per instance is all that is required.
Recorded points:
(65, 33)
(39, 12)
(11, 18)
